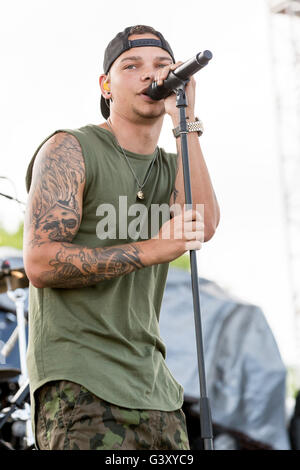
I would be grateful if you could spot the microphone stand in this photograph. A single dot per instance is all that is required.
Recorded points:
(205, 414)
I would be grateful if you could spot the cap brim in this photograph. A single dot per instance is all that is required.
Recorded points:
(104, 106)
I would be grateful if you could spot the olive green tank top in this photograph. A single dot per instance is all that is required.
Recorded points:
(106, 337)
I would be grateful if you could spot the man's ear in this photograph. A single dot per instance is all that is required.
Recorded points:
(104, 85)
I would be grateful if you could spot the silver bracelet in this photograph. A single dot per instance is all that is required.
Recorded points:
(196, 126)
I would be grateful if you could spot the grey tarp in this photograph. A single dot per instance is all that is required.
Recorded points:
(244, 371)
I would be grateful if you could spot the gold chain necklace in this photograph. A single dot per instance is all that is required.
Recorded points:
(140, 194)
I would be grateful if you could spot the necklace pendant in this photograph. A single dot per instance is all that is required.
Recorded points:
(140, 195)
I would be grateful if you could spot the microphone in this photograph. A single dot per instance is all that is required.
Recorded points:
(179, 76)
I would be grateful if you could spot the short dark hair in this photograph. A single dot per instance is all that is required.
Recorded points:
(142, 29)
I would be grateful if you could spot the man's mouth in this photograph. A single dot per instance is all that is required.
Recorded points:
(144, 91)
(145, 96)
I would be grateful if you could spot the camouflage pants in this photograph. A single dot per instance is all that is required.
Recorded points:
(69, 417)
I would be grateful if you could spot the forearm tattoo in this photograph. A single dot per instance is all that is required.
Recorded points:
(54, 215)
(76, 266)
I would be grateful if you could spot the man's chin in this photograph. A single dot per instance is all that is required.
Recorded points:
(150, 113)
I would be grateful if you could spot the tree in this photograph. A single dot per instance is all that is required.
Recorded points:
(14, 240)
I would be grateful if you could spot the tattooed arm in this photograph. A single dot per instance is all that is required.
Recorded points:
(53, 218)
(67, 265)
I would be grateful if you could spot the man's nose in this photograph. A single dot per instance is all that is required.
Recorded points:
(147, 75)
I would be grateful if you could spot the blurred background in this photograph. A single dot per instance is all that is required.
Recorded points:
(248, 98)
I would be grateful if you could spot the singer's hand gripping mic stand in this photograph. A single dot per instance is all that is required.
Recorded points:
(205, 414)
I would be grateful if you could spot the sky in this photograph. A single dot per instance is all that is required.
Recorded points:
(51, 53)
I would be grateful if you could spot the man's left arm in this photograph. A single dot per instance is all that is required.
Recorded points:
(201, 185)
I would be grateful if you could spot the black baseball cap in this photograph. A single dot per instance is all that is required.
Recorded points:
(120, 44)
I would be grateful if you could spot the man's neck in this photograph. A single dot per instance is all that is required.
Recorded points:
(137, 137)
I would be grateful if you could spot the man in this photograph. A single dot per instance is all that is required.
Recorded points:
(96, 361)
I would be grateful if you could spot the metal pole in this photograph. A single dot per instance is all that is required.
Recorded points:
(205, 414)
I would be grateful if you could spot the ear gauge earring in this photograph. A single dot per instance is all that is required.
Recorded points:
(106, 86)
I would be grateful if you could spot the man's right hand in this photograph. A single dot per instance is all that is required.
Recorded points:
(184, 232)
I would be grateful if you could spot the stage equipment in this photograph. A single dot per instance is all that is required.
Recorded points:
(15, 280)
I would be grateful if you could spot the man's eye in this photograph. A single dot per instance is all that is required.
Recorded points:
(130, 66)
(161, 66)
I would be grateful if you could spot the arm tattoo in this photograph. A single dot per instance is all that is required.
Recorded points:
(76, 266)
(55, 214)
